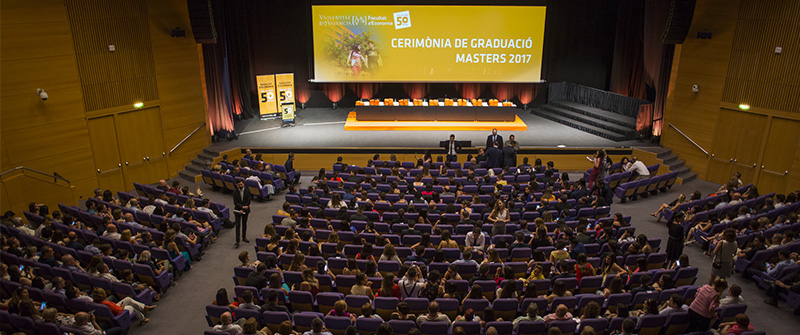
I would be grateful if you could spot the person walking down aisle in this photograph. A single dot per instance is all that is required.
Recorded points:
(241, 207)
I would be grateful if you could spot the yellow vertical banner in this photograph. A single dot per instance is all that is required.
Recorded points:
(267, 105)
(285, 87)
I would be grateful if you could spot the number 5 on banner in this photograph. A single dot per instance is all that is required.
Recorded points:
(267, 96)
(286, 95)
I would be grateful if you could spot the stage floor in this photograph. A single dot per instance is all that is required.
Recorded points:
(352, 124)
(324, 128)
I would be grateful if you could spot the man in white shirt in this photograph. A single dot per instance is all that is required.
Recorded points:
(638, 168)
(227, 325)
(111, 232)
(204, 208)
(128, 217)
(433, 314)
(270, 188)
(467, 258)
(453, 147)
(476, 239)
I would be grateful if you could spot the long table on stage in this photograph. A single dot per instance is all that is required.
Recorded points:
(435, 113)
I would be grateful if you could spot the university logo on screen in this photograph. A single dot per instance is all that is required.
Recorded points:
(402, 20)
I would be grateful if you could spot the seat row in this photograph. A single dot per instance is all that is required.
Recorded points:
(616, 176)
(143, 272)
(642, 187)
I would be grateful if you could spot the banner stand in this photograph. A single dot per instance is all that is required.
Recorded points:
(286, 106)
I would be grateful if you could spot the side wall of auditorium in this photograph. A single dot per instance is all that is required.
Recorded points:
(739, 65)
(88, 131)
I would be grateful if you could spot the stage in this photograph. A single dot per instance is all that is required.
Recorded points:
(325, 128)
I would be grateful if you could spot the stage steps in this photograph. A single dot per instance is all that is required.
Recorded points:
(192, 171)
(596, 113)
(685, 173)
(589, 119)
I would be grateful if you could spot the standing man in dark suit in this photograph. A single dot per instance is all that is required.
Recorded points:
(494, 157)
(241, 207)
(509, 155)
(290, 168)
(452, 148)
(494, 138)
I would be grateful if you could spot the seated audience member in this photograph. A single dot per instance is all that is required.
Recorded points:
(272, 303)
(317, 328)
(734, 296)
(368, 312)
(531, 315)
(628, 326)
(362, 286)
(402, 312)
(674, 304)
(247, 301)
(86, 323)
(137, 309)
(789, 282)
(256, 278)
(340, 309)
(433, 314)
(740, 325)
(561, 313)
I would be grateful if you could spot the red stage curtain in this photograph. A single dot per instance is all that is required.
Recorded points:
(218, 94)
(627, 76)
(527, 92)
(657, 56)
(645, 117)
(503, 91)
(641, 61)
(303, 92)
(334, 91)
(416, 90)
(469, 90)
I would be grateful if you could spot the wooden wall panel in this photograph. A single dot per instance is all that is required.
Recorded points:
(702, 62)
(26, 12)
(794, 175)
(756, 74)
(125, 76)
(177, 68)
(23, 77)
(27, 110)
(23, 145)
(181, 102)
(47, 39)
(44, 43)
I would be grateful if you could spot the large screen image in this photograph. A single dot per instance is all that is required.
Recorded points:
(428, 43)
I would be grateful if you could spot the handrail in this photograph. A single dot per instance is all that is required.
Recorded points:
(55, 175)
(688, 138)
(187, 137)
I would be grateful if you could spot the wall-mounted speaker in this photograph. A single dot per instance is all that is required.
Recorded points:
(202, 18)
(679, 21)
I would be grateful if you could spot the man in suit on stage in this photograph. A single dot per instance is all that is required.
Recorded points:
(494, 138)
(241, 207)
(452, 147)
(494, 157)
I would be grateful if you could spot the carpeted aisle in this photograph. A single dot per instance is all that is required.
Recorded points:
(182, 309)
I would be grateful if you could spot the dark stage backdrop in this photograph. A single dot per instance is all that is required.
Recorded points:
(268, 36)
